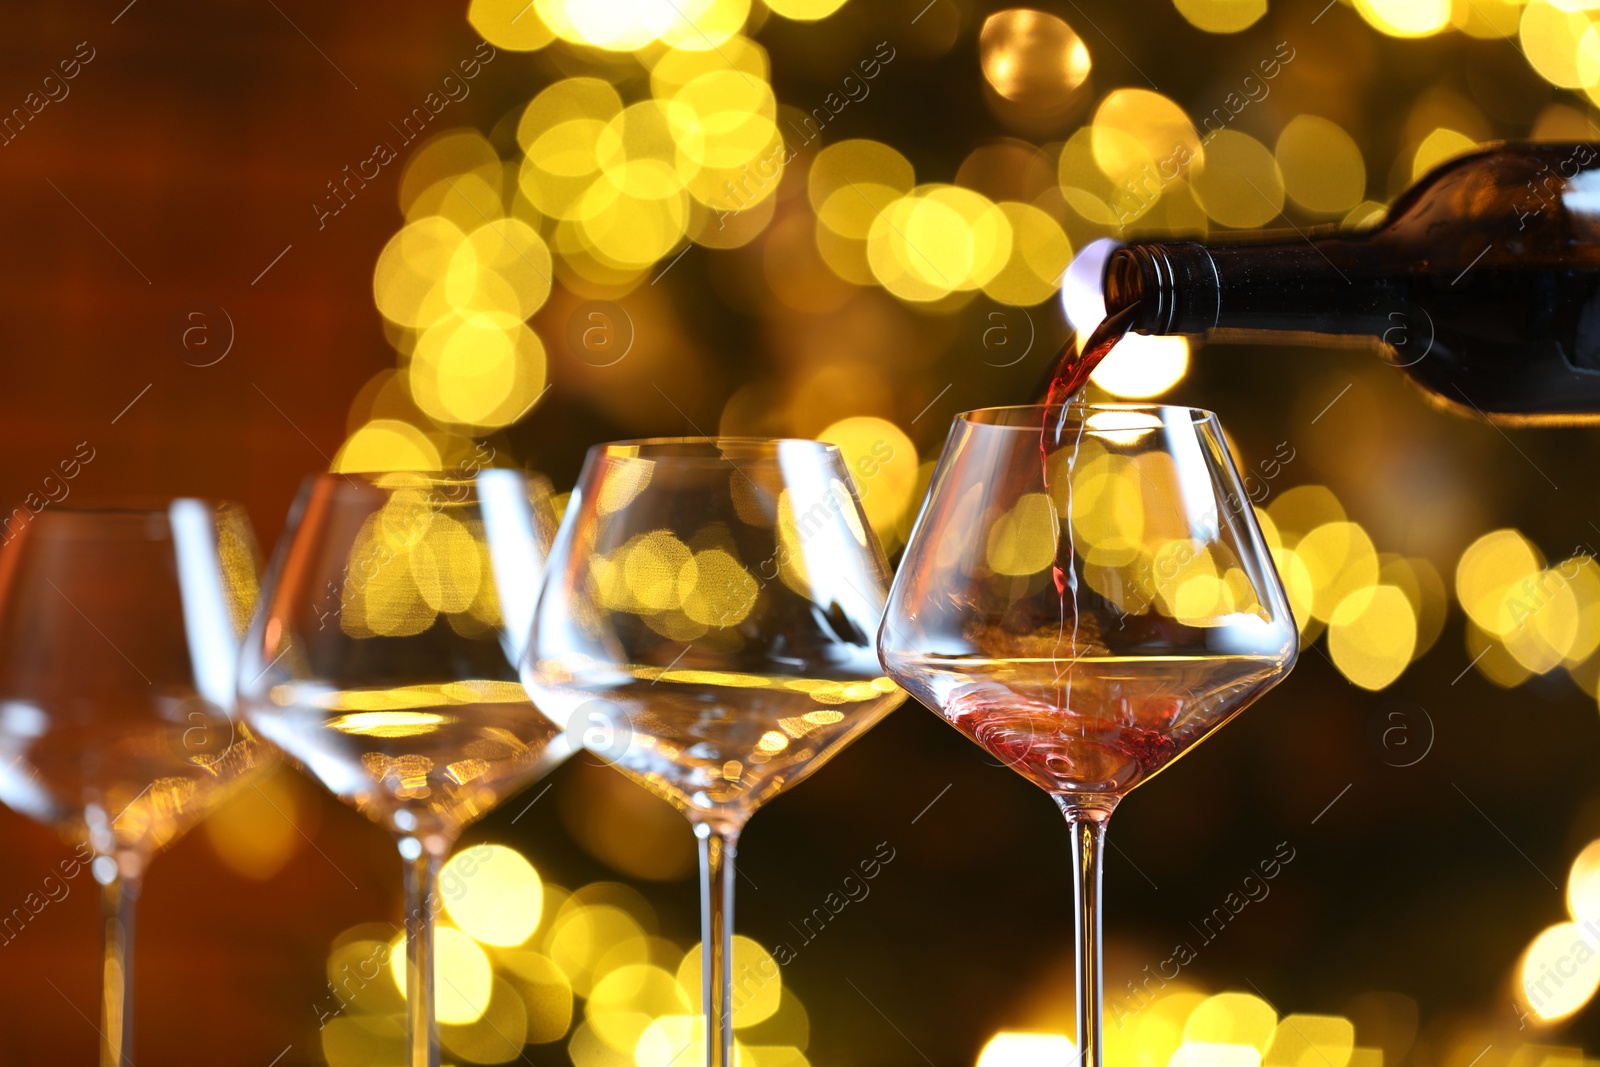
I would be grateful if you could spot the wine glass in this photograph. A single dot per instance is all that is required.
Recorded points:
(119, 635)
(706, 626)
(1087, 604)
(384, 660)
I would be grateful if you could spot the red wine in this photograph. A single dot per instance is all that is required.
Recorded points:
(1482, 284)
(1130, 717)
(1074, 365)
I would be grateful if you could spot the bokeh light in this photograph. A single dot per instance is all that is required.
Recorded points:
(387, 445)
(1307, 1040)
(882, 462)
(257, 831)
(1560, 43)
(1583, 885)
(1406, 18)
(1538, 616)
(509, 24)
(1241, 185)
(462, 975)
(758, 981)
(1139, 130)
(1372, 634)
(1323, 170)
(1240, 1020)
(499, 898)
(805, 10)
(1439, 146)
(1032, 58)
(1560, 971)
(1009, 1049)
(1222, 16)
(587, 967)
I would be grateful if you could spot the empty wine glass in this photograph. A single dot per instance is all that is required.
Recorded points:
(119, 634)
(1087, 604)
(706, 626)
(384, 661)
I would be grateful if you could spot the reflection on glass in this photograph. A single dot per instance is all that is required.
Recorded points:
(384, 661)
(119, 635)
(706, 625)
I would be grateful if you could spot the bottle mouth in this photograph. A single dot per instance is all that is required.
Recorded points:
(1174, 283)
(1142, 274)
(1124, 280)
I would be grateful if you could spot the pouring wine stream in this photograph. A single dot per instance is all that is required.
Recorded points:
(1071, 374)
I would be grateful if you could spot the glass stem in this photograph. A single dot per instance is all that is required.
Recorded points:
(424, 856)
(1088, 859)
(718, 846)
(118, 894)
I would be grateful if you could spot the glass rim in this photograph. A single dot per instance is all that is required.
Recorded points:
(112, 521)
(126, 507)
(441, 476)
(709, 449)
(1080, 410)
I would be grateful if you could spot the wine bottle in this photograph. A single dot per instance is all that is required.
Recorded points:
(1482, 283)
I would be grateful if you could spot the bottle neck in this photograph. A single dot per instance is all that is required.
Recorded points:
(1331, 284)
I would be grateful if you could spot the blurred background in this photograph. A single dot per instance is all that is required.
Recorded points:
(248, 241)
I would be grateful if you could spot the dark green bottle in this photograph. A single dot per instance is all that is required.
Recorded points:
(1483, 284)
